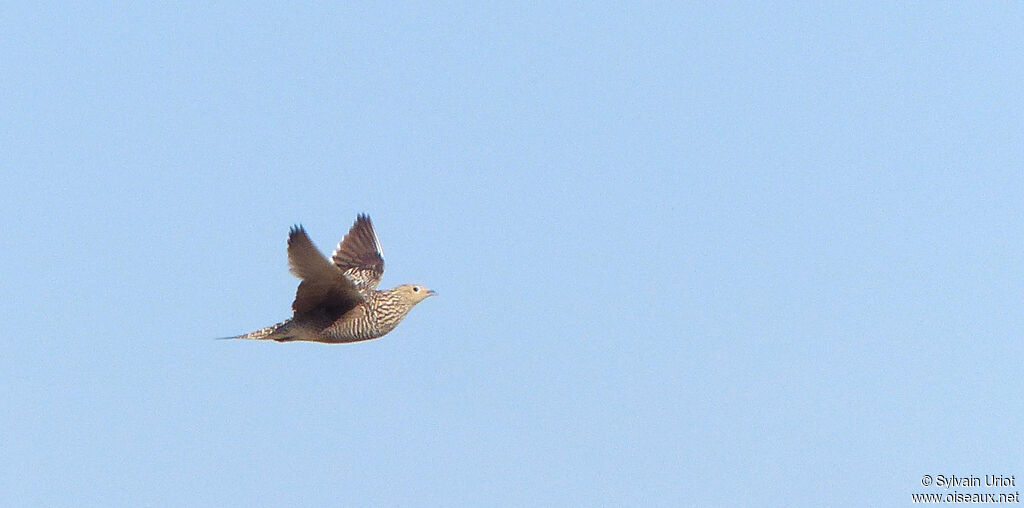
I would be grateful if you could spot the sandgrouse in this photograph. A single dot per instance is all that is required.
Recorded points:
(337, 300)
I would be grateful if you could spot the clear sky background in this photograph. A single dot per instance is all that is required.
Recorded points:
(739, 254)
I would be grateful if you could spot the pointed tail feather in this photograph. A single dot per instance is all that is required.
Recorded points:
(278, 332)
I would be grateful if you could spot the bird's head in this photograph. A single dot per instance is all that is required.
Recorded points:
(415, 293)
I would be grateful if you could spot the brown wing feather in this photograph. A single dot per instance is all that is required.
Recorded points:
(359, 255)
(323, 288)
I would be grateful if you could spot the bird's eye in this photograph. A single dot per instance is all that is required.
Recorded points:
(415, 288)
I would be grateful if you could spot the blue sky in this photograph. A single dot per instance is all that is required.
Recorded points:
(687, 254)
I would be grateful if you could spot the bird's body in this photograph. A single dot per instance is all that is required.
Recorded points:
(337, 300)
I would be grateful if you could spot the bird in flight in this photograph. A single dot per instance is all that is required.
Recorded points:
(338, 300)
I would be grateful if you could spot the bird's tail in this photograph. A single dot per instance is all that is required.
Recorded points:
(279, 332)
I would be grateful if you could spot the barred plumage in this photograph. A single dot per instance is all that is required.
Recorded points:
(337, 301)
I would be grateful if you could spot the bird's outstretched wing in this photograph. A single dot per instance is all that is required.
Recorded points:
(324, 288)
(359, 256)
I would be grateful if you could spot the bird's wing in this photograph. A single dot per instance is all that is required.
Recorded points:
(359, 256)
(323, 286)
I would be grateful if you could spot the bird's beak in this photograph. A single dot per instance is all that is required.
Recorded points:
(431, 292)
